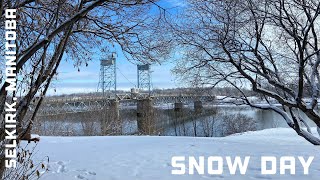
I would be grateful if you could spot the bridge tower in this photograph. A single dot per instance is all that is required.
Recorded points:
(108, 75)
(144, 78)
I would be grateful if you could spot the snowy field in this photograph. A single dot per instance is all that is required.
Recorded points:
(149, 157)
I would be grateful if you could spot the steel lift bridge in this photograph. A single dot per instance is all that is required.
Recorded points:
(108, 87)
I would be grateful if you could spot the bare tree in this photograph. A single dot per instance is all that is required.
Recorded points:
(270, 46)
(51, 31)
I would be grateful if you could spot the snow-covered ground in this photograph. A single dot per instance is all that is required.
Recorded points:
(149, 157)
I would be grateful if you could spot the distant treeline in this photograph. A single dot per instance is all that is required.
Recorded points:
(219, 91)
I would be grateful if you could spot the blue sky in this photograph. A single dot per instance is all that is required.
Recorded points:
(69, 80)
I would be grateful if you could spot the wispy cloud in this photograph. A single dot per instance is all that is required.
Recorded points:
(176, 3)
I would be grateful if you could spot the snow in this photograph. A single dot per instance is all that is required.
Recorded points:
(149, 157)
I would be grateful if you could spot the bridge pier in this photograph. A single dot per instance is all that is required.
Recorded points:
(111, 124)
(178, 110)
(197, 105)
(145, 116)
(178, 114)
(178, 106)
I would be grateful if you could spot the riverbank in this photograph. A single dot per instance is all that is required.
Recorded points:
(149, 157)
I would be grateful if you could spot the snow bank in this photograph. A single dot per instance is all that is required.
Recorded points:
(149, 158)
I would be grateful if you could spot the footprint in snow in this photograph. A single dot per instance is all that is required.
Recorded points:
(79, 176)
(262, 177)
(167, 165)
(62, 167)
(85, 174)
(92, 173)
(254, 169)
(213, 176)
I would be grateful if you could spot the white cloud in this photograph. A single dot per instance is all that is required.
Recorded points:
(175, 3)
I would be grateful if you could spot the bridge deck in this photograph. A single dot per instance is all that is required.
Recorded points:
(52, 106)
